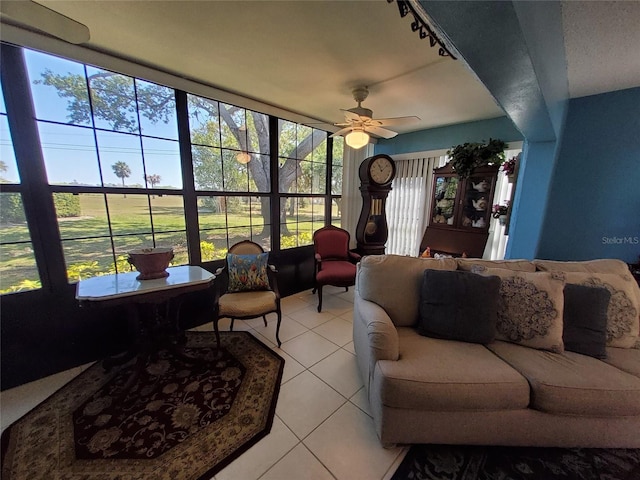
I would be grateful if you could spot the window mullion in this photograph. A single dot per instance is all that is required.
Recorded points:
(327, 182)
(190, 198)
(275, 182)
(36, 193)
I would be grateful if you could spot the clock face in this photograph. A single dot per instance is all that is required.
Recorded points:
(381, 170)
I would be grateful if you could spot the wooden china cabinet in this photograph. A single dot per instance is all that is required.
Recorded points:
(460, 212)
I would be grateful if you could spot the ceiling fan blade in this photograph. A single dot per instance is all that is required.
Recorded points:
(316, 124)
(33, 16)
(397, 120)
(351, 116)
(341, 132)
(381, 132)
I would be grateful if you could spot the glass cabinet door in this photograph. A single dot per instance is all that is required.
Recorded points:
(444, 201)
(477, 202)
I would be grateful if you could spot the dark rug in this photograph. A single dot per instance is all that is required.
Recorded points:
(446, 462)
(181, 419)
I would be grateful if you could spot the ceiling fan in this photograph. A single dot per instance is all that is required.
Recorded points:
(359, 122)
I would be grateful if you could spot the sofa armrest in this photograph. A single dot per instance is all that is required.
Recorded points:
(374, 337)
(372, 323)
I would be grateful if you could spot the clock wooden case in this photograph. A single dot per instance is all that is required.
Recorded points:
(376, 174)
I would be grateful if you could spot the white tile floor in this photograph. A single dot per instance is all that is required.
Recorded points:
(323, 428)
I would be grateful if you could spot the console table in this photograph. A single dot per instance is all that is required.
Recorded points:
(148, 303)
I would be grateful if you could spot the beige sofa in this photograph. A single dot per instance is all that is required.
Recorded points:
(430, 390)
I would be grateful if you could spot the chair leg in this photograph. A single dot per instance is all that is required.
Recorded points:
(319, 298)
(278, 328)
(346, 289)
(264, 317)
(231, 328)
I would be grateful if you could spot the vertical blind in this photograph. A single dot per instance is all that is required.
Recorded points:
(408, 204)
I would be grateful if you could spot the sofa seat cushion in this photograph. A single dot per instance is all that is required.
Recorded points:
(625, 359)
(573, 384)
(447, 375)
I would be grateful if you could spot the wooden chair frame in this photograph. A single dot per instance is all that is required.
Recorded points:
(240, 248)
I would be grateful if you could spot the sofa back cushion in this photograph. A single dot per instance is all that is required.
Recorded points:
(602, 265)
(467, 264)
(459, 306)
(394, 282)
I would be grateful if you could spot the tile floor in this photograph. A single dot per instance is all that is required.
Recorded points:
(322, 428)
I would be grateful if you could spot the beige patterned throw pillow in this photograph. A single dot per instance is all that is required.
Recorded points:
(530, 308)
(623, 324)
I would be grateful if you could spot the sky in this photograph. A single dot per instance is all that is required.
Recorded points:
(69, 151)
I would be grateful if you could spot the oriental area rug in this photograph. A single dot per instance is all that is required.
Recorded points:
(180, 420)
(451, 462)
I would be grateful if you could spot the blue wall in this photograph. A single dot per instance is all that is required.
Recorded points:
(578, 191)
(527, 214)
(593, 208)
(447, 137)
(516, 49)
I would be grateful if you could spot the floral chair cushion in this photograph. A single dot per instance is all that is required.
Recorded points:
(247, 272)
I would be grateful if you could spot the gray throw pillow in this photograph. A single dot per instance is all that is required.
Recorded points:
(459, 305)
(585, 319)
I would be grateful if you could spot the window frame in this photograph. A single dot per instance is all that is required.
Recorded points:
(38, 193)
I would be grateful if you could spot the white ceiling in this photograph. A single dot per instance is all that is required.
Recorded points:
(306, 56)
(602, 43)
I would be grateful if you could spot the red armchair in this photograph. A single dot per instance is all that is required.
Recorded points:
(334, 263)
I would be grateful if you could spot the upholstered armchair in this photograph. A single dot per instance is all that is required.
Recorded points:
(334, 263)
(251, 290)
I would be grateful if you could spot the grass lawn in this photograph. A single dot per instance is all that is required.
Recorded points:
(87, 246)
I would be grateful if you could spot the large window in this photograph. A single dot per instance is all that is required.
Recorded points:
(111, 152)
(123, 173)
(303, 172)
(230, 154)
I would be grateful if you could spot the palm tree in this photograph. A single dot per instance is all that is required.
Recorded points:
(122, 171)
(153, 179)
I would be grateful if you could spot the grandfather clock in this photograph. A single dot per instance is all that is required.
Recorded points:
(376, 174)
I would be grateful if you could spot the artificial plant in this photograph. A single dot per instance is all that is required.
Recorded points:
(467, 157)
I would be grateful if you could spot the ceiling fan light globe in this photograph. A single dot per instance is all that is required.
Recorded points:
(357, 139)
(243, 158)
